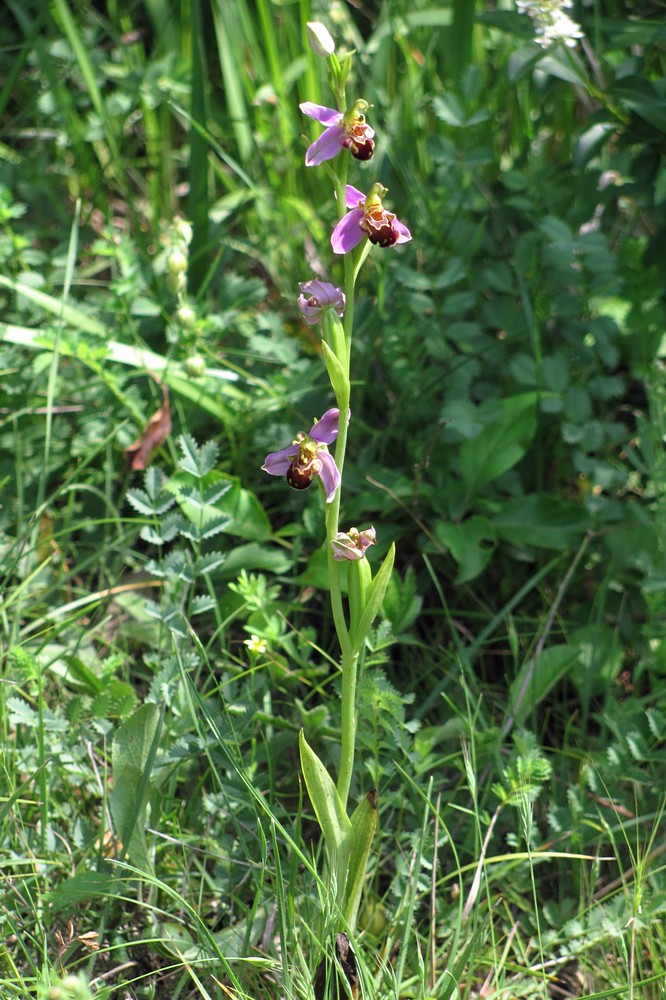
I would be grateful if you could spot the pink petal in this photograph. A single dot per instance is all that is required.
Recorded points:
(353, 197)
(325, 430)
(404, 235)
(348, 233)
(330, 475)
(325, 147)
(327, 116)
(278, 462)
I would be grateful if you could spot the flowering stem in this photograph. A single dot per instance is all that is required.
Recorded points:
(332, 521)
(347, 723)
(349, 661)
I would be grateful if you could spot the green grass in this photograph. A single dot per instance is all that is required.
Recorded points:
(165, 634)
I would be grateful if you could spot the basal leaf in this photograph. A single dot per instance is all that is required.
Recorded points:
(501, 444)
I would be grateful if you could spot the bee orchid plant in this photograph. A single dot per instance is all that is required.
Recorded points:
(363, 222)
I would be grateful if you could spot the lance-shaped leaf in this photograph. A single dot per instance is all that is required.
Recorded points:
(375, 596)
(359, 582)
(363, 826)
(329, 810)
(337, 375)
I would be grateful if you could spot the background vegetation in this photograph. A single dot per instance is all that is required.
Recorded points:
(164, 633)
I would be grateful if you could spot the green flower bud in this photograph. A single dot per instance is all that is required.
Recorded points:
(195, 366)
(320, 39)
(176, 282)
(183, 231)
(186, 315)
(176, 261)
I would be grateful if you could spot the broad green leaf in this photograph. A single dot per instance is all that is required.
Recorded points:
(254, 556)
(564, 64)
(601, 656)
(543, 521)
(643, 98)
(471, 543)
(133, 751)
(536, 678)
(82, 887)
(501, 444)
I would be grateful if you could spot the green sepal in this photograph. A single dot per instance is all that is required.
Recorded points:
(363, 826)
(374, 598)
(330, 812)
(337, 375)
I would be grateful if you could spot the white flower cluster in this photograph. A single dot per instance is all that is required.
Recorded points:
(551, 21)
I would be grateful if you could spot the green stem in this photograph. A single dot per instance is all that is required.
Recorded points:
(349, 664)
(332, 521)
(348, 723)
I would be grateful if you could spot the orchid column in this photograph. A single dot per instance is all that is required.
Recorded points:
(362, 222)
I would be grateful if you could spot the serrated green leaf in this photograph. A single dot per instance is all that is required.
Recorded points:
(246, 516)
(153, 481)
(140, 501)
(201, 604)
(209, 562)
(20, 713)
(116, 700)
(211, 526)
(196, 459)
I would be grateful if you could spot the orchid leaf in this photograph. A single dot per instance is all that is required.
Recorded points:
(359, 581)
(327, 804)
(375, 596)
(337, 375)
(363, 826)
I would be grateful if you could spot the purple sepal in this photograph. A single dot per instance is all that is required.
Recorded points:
(278, 462)
(330, 475)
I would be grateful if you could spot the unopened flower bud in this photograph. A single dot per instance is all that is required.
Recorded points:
(183, 231)
(320, 39)
(195, 366)
(186, 315)
(176, 261)
(352, 544)
(176, 282)
(316, 296)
